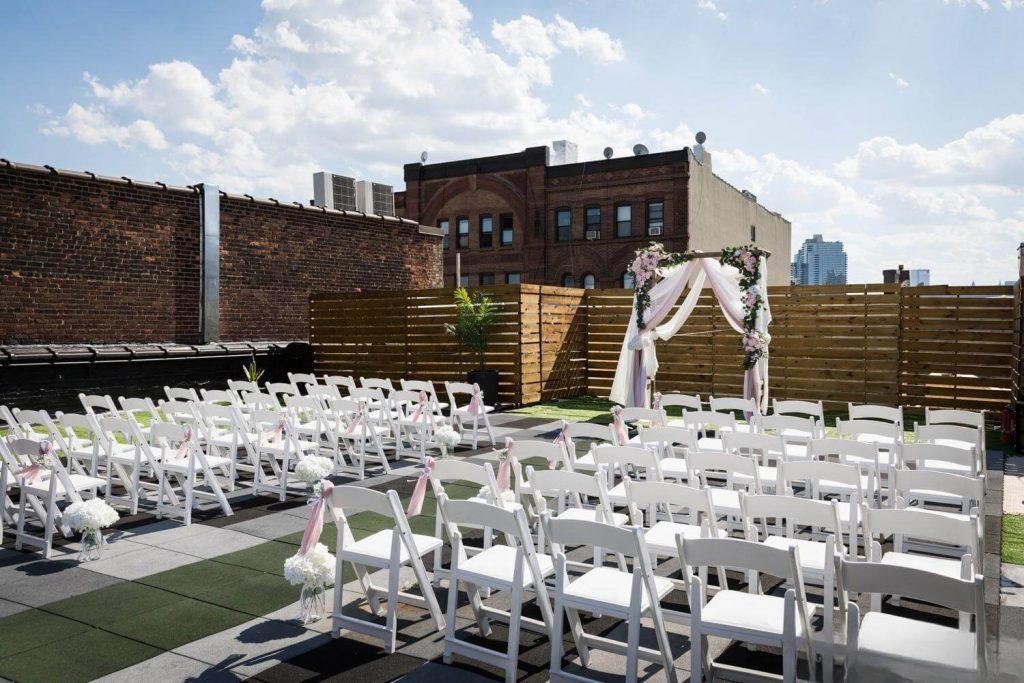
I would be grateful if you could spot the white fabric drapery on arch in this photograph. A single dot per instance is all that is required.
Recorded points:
(638, 359)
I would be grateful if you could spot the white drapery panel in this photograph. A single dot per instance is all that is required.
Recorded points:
(638, 359)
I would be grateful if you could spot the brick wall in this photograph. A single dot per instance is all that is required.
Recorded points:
(101, 260)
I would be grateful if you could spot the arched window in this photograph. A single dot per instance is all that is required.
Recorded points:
(628, 280)
(568, 280)
(588, 281)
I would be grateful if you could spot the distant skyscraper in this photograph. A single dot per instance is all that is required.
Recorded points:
(819, 263)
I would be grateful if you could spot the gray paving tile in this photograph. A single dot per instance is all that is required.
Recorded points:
(253, 646)
(270, 526)
(7, 608)
(170, 666)
(167, 530)
(212, 543)
(139, 563)
(36, 589)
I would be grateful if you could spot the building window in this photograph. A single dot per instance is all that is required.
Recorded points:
(623, 220)
(463, 281)
(463, 224)
(568, 280)
(593, 222)
(486, 230)
(443, 224)
(486, 278)
(513, 278)
(655, 217)
(753, 233)
(563, 225)
(628, 280)
(507, 230)
(588, 281)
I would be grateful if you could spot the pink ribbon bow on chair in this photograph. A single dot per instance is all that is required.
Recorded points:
(619, 427)
(183, 446)
(420, 406)
(274, 435)
(315, 525)
(505, 468)
(476, 403)
(35, 470)
(420, 490)
(656, 402)
(358, 420)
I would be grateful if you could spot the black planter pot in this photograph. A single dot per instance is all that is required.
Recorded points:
(488, 381)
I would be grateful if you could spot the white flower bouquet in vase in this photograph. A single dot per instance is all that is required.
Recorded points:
(89, 517)
(313, 469)
(447, 439)
(314, 571)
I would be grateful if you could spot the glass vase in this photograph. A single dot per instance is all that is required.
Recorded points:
(312, 604)
(444, 451)
(92, 545)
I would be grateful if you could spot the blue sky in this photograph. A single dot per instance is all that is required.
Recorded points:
(897, 127)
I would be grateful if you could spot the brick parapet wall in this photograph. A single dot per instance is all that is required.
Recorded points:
(101, 260)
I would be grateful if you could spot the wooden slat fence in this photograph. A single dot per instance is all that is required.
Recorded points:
(922, 346)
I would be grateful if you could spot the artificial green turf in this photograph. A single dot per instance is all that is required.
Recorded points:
(199, 578)
(265, 557)
(178, 623)
(113, 603)
(1013, 539)
(83, 656)
(32, 628)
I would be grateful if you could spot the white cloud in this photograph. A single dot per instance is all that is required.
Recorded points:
(524, 36)
(711, 7)
(582, 100)
(980, 4)
(529, 36)
(900, 83)
(592, 43)
(761, 90)
(92, 126)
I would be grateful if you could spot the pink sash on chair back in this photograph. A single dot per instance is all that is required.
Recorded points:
(476, 403)
(505, 468)
(183, 446)
(274, 435)
(619, 427)
(358, 420)
(420, 490)
(33, 472)
(315, 525)
(420, 407)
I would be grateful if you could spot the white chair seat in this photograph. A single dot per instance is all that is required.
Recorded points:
(674, 468)
(812, 553)
(881, 441)
(590, 515)
(725, 500)
(464, 412)
(746, 428)
(962, 445)
(842, 488)
(608, 590)
(742, 612)
(790, 433)
(585, 462)
(710, 443)
(182, 465)
(123, 454)
(795, 451)
(375, 549)
(945, 466)
(79, 482)
(769, 476)
(358, 433)
(887, 639)
(496, 565)
(661, 538)
(885, 460)
(928, 563)
(278, 449)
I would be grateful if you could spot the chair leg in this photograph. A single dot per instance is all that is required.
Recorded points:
(515, 617)
(632, 645)
(449, 630)
(392, 619)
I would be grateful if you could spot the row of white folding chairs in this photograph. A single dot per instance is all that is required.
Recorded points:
(518, 567)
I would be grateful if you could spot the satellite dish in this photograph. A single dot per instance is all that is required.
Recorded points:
(423, 157)
(639, 150)
(608, 152)
(701, 137)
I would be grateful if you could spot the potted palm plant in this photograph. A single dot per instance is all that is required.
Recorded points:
(474, 318)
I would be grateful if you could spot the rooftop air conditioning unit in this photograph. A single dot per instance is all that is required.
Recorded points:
(654, 230)
(375, 198)
(593, 234)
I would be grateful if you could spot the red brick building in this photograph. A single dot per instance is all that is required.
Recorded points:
(517, 217)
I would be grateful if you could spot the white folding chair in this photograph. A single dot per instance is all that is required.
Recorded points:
(382, 383)
(416, 420)
(884, 436)
(277, 448)
(100, 406)
(243, 387)
(79, 439)
(180, 462)
(607, 591)
(701, 422)
(126, 457)
(596, 434)
(36, 425)
(13, 428)
(346, 382)
(389, 549)
(828, 481)
(447, 471)
(279, 390)
(966, 418)
(177, 411)
(141, 411)
(43, 482)
(940, 458)
(473, 413)
(671, 444)
(858, 454)
(427, 386)
(515, 568)
(224, 397)
(746, 407)
(764, 448)
(573, 495)
(752, 617)
(920, 488)
(541, 452)
(185, 394)
(323, 393)
(797, 408)
(302, 381)
(928, 530)
(223, 430)
(796, 432)
(895, 647)
(731, 472)
(357, 436)
(955, 436)
(258, 401)
(643, 417)
(871, 411)
(685, 402)
(813, 527)
(629, 462)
